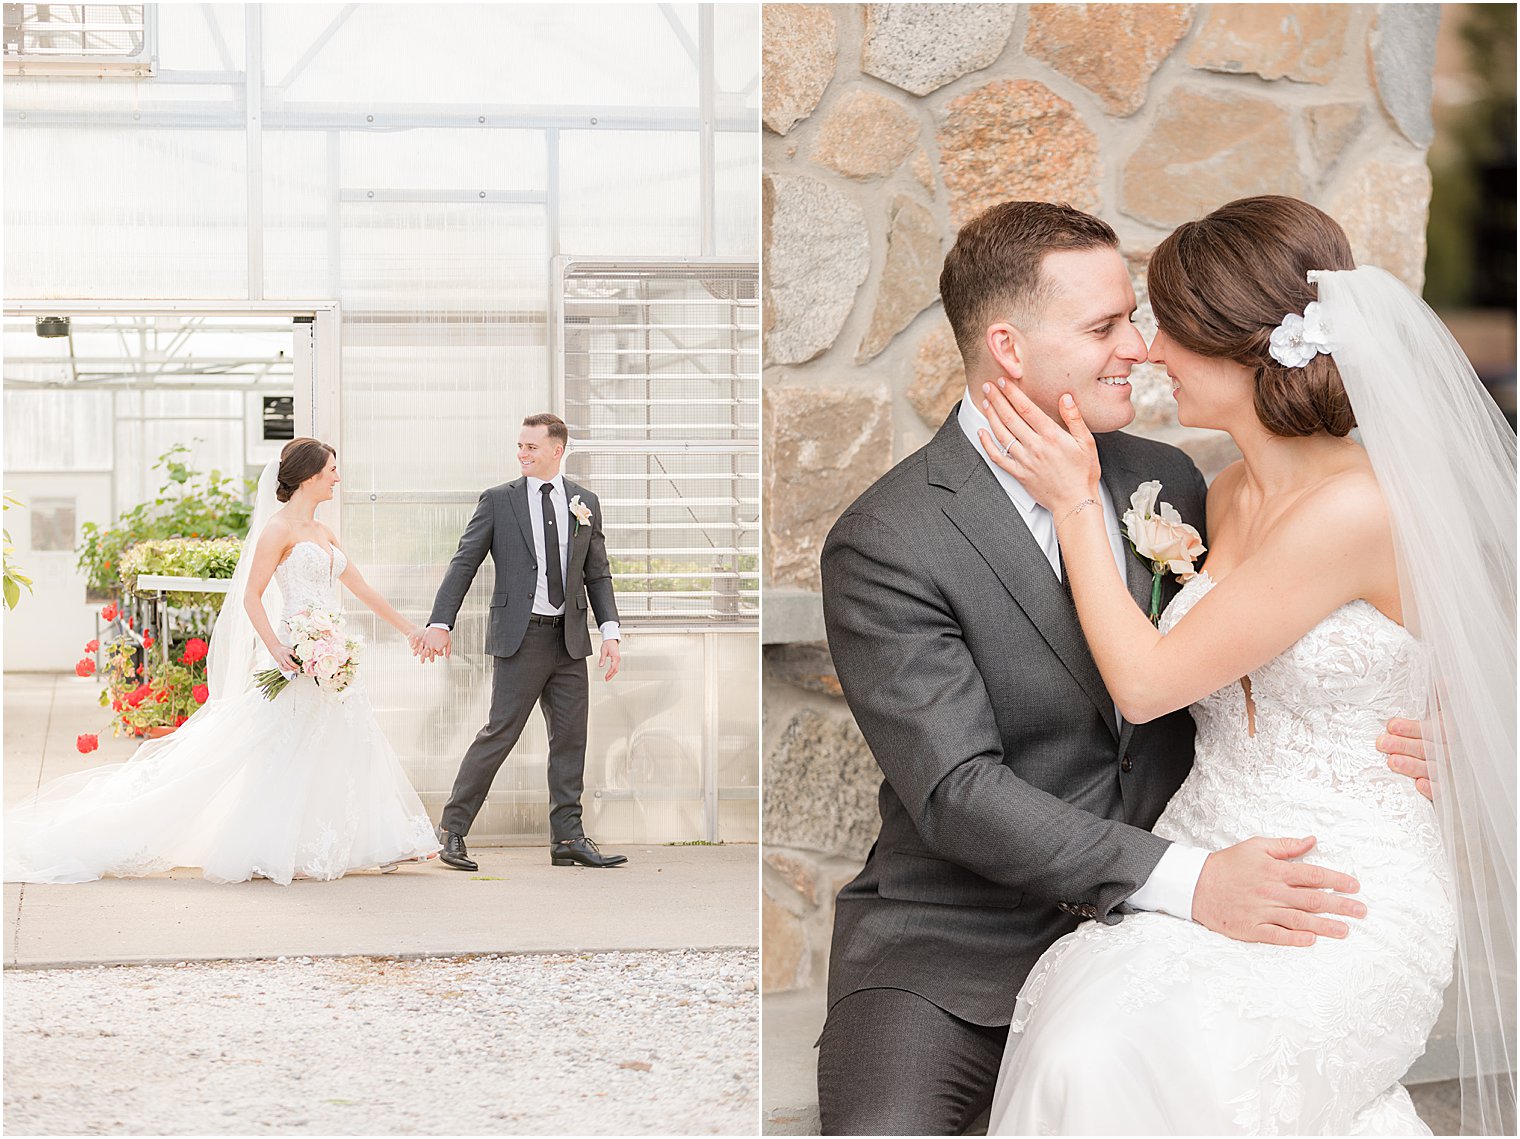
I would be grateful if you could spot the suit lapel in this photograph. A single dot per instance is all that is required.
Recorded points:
(981, 511)
(517, 495)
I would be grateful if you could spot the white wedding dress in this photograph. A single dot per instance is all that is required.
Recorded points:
(1157, 1026)
(304, 785)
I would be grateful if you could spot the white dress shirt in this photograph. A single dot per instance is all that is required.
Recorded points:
(1172, 883)
(566, 531)
(562, 527)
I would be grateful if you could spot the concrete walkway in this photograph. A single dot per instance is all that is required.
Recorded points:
(666, 897)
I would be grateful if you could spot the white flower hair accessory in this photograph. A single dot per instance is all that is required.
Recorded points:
(1298, 339)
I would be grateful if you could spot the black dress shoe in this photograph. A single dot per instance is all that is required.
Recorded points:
(454, 854)
(582, 852)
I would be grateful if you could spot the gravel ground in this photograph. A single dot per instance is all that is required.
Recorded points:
(610, 1043)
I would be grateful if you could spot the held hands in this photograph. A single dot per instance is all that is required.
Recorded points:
(1057, 463)
(1253, 892)
(429, 644)
(611, 651)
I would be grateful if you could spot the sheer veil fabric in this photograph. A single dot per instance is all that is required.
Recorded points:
(1445, 460)
(234, 652)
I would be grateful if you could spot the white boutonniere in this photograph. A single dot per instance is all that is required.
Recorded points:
(582, 514)
(1163, 540)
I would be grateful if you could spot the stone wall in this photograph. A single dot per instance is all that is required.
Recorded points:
(886, 127)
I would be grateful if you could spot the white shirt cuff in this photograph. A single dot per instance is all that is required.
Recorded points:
(610, 631)
(1170, 887)
(439, 625)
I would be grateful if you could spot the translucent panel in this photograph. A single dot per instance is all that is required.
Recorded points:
(736, 187)
(491, 160)
(630, 193)
(736, 718)
(736, 63)
(429, 256)
(58, 431)
(169, 221)
(589, 55)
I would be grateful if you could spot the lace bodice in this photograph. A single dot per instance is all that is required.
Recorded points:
(1308, 728)
(309, 576)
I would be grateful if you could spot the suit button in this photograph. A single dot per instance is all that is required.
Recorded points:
(1089, 911)
(1126, 764)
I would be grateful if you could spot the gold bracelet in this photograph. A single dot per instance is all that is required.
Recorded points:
(1077, 509)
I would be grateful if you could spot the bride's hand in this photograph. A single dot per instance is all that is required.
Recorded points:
(1057, 464)
(284, 659)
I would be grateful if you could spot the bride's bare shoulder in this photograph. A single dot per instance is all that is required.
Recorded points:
(1344, 514)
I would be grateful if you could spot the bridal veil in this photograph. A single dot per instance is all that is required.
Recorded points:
(1445, 460)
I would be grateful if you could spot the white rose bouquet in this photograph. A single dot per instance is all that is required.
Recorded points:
(1163, 540)
(322, 651)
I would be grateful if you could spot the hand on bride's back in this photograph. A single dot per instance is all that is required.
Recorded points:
(1252, 891)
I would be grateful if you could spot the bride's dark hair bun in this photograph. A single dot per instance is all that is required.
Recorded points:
(1220, 285)
(301, 459)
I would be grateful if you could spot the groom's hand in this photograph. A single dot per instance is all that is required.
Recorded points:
(434, 642)
(610, 652)
(1253, 892)
(1405, 748)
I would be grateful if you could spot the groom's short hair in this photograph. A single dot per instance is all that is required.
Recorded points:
(993, 272)
(554, 424)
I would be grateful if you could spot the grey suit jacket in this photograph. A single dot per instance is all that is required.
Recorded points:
(503, 528)
(1007, 808)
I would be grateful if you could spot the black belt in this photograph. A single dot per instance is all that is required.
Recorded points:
(540, 619)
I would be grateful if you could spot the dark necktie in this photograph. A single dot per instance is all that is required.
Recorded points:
(551, 549)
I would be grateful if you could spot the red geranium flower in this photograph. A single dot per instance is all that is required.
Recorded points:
(195, 649)
(139, 670)
(92, 646)
(116, 704)
(201, 693)
(129, 622)
(161, 697)
(147, 640)
(138, 695)
(178, 720)
(87, 743)
(110, 612)
(85, 667)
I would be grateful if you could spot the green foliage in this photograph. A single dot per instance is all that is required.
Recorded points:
(188, 505)
(181, 557)
(14, 578)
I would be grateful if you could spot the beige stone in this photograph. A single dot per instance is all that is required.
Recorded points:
(820, 786)
(807, 665)
(1205, 149)
(823, 447)
(939, 375)
(910, 281)
(1332, 128)
(797, 871)
(865, 135)
(1304, 42)
(1111, 49)
(1403, 51)
(817, 254)
(784, 959)
(799, 44)
(1015, 139)
(921, 47)
(923, 170)
(1383, 207)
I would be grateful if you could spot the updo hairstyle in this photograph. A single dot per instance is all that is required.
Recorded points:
(300, 459)
(1220, 285)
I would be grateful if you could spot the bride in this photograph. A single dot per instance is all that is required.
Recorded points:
(1344, 582)
(303, 785)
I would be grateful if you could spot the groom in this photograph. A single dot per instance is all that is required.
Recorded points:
(1017, 801)
(544, 535)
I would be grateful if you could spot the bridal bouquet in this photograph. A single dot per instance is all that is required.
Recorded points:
(322, 651)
